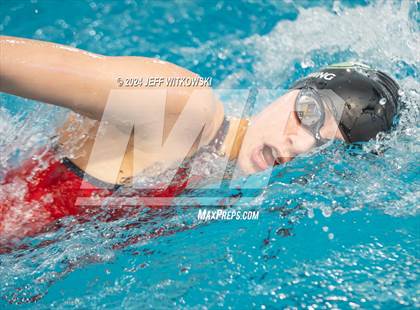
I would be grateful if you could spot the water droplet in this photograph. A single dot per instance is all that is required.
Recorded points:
(336, 7)
(382, 101)
(311, 214)
(326, 211)
(222, 55)
(171, 19)
(307, 63)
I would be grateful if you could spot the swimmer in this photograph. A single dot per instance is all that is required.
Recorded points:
(349, 102)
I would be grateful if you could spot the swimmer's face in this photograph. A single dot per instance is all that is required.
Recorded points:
(276, 136)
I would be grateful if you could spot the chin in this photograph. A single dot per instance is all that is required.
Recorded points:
(246, 165)
(243, 165)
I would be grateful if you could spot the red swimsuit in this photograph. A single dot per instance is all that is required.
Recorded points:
(31, 198)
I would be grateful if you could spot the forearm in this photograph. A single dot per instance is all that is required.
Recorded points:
(53, 73)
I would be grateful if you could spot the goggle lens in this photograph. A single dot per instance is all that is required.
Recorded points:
(308, 110)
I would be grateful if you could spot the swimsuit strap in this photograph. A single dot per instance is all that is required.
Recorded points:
(220, 136)
(91, 179)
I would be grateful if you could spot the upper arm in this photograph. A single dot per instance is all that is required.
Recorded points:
(203, 106)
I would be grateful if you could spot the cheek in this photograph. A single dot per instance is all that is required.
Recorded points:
(267, 127)
(272, 120)
(251, 139)
(261, 129)
(303, 141)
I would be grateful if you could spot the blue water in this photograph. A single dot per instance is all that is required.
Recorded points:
(337, 229)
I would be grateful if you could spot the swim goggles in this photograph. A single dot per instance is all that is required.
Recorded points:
(310, 110)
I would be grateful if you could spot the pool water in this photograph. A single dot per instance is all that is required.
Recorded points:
(338, 229)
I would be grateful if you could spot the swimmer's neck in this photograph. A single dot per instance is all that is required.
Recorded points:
(232, 143)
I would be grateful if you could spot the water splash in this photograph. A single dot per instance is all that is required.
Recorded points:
(367, 257)
(381, 35)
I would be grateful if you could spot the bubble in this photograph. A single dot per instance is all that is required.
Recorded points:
(222, 55)
(382, 101)
(326, 211)
(330, 236)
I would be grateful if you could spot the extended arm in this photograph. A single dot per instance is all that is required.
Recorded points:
(82, 81)
(54, 74)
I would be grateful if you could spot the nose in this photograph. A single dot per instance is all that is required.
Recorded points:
(286, 150)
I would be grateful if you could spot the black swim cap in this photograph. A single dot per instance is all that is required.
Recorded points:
(370, 98)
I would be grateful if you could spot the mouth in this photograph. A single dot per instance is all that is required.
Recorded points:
(265, 156)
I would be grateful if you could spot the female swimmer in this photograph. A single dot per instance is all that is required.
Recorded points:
(350, 102)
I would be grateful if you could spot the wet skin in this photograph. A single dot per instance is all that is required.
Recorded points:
(276, 136)
(82, 82)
